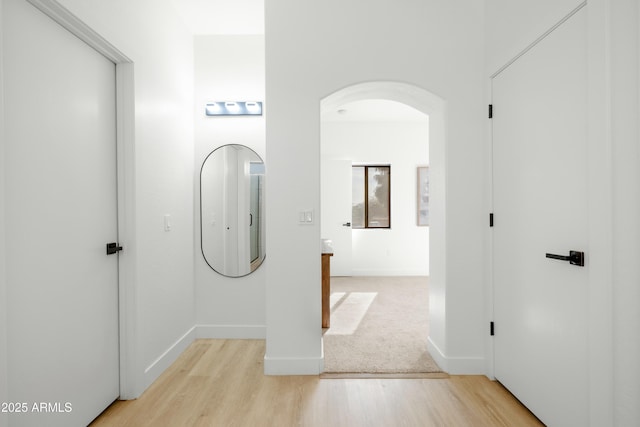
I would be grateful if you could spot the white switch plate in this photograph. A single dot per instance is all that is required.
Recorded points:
(167, 223)
(305, 217)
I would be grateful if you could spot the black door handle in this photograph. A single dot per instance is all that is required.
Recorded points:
(574, 258)
(112, 248)
(347, 224)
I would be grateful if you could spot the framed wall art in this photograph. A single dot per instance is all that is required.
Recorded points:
(423, 196)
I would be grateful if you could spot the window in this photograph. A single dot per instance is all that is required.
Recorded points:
(371, 206)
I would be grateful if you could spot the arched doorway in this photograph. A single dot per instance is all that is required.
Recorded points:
(432, 106)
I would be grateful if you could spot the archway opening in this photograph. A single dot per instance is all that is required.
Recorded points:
(423, 103)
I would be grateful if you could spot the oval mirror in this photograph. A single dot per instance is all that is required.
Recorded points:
(232, 220)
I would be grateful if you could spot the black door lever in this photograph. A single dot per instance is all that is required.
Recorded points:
(574, 258)
(112, 248)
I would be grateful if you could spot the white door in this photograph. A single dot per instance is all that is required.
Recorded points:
(540, 206)
(60, 142)
(336, 201)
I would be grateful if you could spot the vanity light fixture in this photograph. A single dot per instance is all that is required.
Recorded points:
(234, 108)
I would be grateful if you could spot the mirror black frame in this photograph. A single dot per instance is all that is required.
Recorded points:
(232, 232)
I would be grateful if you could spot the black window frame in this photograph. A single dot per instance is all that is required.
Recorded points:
(366, 198)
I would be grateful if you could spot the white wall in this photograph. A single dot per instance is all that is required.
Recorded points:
(228, 68)
(403, 249)
(162, 51)
(614, 162)
(437, 46)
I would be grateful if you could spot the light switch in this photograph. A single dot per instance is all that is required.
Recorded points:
(167, 223)
(305, 217)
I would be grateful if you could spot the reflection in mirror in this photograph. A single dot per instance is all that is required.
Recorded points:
(232, 219)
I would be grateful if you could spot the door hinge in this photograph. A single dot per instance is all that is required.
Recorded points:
(491, 111)
(491, 220)
(491, 329)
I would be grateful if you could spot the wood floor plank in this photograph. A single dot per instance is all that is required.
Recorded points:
(221, 383)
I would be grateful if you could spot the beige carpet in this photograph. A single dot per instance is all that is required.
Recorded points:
(379, 326)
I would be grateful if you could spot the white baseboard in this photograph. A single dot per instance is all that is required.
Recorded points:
(155, 369)
(381, 273)
(467, 366)
(249, 332)
(456, 365)
(293, 366)
(437, 355)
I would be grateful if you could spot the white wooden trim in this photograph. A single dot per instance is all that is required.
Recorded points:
(437, 355)
(466, 365)
(69, 21)
(131, 379)
(456, 365)
(130, 383)
(293, 365)
(250, 332)
(389, 272)
(488, 278)
(4, 392)
(600, 213)
(539, 39)
(158, 366)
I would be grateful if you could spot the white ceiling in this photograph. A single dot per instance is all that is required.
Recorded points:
(373, 110)
(222, 17)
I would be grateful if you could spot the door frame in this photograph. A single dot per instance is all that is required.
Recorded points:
(130, 379)
(326, 228)
(600, 212)
(4, 393)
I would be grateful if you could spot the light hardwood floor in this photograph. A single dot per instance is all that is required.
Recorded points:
(221, 383)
